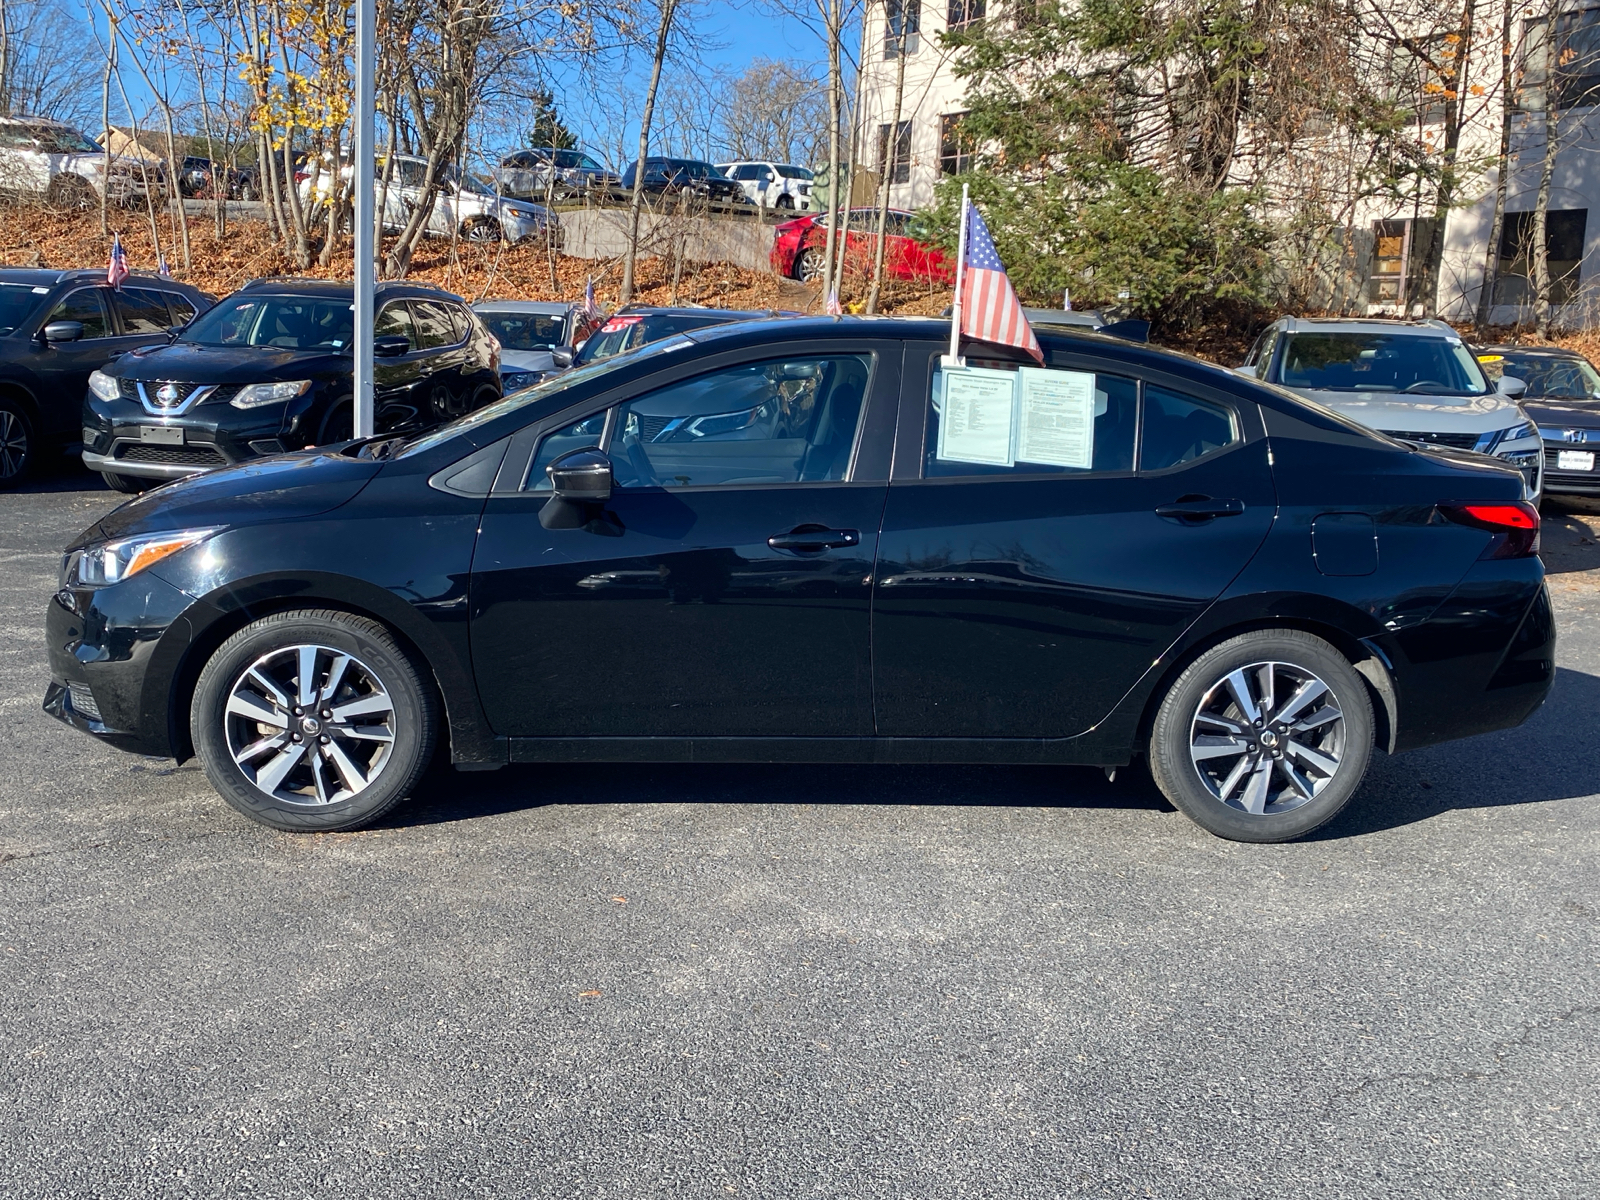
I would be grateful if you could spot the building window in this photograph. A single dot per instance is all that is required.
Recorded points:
(955, 148)
(901, 15)
(1389, 253)
(965, 14)
(1578, 58)
(1563, 241)
(899, 170)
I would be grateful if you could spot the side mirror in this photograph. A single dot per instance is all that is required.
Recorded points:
(583, 476)
(1515, 388)
(63, 331)
(1248, 372)
(390, 345)
(561, 356)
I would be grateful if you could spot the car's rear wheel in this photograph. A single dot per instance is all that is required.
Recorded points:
(785, 201)
(16, 445)
(72, 192)
(811, 264)
(313, 721)
(1264, 737)
(129, 485)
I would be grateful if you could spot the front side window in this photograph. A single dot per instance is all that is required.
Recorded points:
(290, 322)
(183, 308)
(142, 311)
(1380, 362)
(394, 320)
(553, 445)
(783, 421)
(83, 305)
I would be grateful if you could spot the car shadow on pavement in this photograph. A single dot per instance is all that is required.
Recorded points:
(1569, 535)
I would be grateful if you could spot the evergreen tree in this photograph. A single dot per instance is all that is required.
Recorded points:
(548, 129)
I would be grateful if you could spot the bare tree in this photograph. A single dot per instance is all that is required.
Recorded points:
(667, 13)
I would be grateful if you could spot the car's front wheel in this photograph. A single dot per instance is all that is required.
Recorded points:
(1264, 737)
(128, 485)
(313, 720)
(811, 264)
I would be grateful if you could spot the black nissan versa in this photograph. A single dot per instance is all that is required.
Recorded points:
(809, 541)
(269, 369)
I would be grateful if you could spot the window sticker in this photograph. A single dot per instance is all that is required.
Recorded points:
(978, 418)
(1056, 424)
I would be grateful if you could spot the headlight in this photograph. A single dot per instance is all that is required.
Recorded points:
(513, 381)
(104, 386)
(1526, 430)
(113, 562)
(258, 394)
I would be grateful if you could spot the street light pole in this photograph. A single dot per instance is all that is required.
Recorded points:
(365, 161)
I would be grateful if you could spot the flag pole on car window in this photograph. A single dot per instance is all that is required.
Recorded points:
(365, 153)
(953, 359)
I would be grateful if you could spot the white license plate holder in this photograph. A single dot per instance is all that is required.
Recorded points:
(163, 435)
(1574, 460)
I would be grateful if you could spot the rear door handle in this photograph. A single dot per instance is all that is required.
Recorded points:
(815, 540)
(1200, 508)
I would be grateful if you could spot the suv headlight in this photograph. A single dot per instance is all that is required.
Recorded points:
(112, 562)
(1526, 430)
(258, 394)
(104, 386)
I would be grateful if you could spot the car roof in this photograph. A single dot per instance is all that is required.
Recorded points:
(1431, 327)
(291, 285)
(1533, 351)
(39, 277)
(550, 308)
(690, 310)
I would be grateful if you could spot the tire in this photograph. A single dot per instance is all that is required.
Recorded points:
(785, 201)
(338, 774)
(485, 395)
(483, 229)
(811, 264)
(128, 485)
(71, 192)
(18, 450)
(1305, 774)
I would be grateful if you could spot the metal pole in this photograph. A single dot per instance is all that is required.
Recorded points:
(366, 152)
(953, 359)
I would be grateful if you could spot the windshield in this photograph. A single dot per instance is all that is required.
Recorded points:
(1381, 362)
(630, 331)
(18, 302)
(1555, 378)
(469, 181)
(58, 139)
(575, 158)
(289, 322)
(526, 331)
(695, 170)
(795, 173)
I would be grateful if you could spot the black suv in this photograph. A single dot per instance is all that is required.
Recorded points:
(55, 328)
(269, 369)
(669, 176)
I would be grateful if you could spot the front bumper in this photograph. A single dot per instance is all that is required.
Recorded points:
(1569, 481)
(207, 437)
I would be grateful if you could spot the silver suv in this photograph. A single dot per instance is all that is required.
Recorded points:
(45, 159)
(1413, 380)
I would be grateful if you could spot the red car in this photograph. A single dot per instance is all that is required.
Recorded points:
(798, 246)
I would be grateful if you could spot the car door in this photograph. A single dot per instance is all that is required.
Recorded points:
(443, 386)
(400, 400)
(64, 367)
(1024, 600)
(724, 590)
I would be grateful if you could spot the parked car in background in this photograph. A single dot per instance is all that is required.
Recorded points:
(1135, 329)
(640, 324)
(674, 176)
(1413, 380)
(201, 177)
(695, 553)
(466, 205)
(1563, 399)
(57, 163)
(772, 185)
(798, 248)
(531, 334)
(56, 327)
(269, 369)
(538, 171)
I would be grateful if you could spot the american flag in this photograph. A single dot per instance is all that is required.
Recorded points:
(833, 308)
(164, 270)
(591, 310)
(990, 311)
(118, 270)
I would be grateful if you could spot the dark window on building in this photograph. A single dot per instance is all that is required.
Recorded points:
(899, 169)
(1399, 249)
(1577, 58)
(955, 147)
(901, 15)
(1564, 233)
(965, 14)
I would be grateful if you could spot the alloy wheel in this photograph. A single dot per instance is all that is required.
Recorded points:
(811, 265)
(310, 725)
(1267, 738)
(13, 445)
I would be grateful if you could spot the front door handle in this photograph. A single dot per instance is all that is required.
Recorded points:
(814, 540)
(1200, 508)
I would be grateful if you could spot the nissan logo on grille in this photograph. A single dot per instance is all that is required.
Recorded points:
(167, 395)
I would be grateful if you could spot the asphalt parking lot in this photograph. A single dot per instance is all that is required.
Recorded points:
(794, 982)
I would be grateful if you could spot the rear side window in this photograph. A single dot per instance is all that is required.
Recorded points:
(1178, 428)
(781, 421)
(434, 327)
(142, 311)
(183, 310)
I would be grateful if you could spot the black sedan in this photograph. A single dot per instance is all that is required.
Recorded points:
(1563, 400)
(816, 542)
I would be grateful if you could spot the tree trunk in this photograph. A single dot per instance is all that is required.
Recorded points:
(1541, 206)
(854, 151)
(105, 126)
(890, 163)
(1491, 256)
(1455, 85)
(833, 23)
(630, 259)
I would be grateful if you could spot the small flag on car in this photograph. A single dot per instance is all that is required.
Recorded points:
(986, 302)
(833, 308)
(163, 269)
(117, 271)
(591, 310)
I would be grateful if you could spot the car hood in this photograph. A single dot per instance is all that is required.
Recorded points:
(1424, 414)
(188, 363)
(284, 488)
(526, 360)
(1581, 414)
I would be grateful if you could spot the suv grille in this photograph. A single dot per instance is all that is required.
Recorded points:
(1461, 441)
(178, 456)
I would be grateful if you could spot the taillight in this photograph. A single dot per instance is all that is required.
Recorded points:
(1515, 524)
